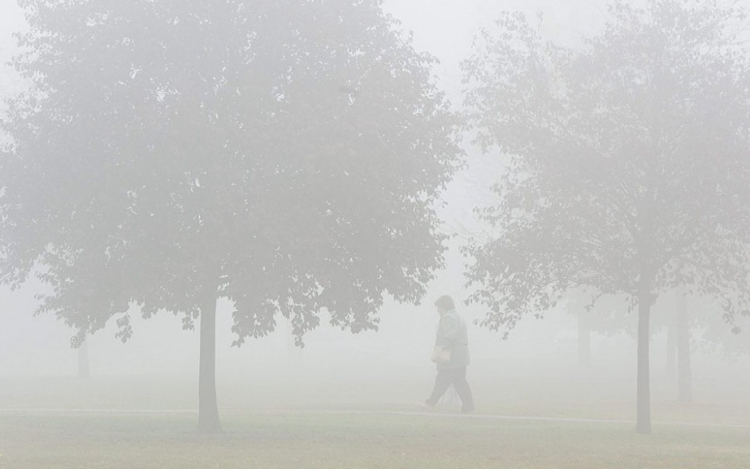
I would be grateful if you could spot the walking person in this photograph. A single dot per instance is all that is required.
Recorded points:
(451, 356)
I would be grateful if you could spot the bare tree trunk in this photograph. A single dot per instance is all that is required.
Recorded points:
(671, 365)
(584, 341)
(208, 410)
(643, 420)
(684, 373)
(84, 370)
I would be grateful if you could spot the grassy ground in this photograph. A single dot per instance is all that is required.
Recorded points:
(308, 423)
(358, 441)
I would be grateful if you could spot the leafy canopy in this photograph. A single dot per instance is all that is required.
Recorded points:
(627, 159)
(285, 155)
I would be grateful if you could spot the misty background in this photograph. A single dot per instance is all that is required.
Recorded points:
(540, 354)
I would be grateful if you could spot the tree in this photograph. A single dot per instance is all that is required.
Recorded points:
(627, 163)
(84, 367)
(684, 369)
(676, 319)
(697, 326)
(604, 315)
(712, 335)
(284, 155)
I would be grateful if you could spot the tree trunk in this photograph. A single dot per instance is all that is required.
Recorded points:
(671, 365)
(584, 341)
(643, 421)
(208, 409)
(684, 374)
(84, 370)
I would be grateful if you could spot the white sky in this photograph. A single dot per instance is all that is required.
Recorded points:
(11, 20)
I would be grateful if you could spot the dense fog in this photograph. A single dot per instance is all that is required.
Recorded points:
(576, 350)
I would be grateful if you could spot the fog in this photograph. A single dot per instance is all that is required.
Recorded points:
(543, 350)
(577, 359)
(40, 345)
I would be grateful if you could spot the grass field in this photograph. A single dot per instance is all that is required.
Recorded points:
(299, 440)
(63, 423)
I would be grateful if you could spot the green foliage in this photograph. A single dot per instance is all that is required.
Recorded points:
(285, 155)
(627, 159)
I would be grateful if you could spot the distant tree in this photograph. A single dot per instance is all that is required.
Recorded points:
(697, 326)
(712, 335)
(607, 315)
(627, 163)
(677, 322)
(284, 155)
(693, 323)
(84, 366)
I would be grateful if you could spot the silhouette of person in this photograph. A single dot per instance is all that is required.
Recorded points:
(451, 356)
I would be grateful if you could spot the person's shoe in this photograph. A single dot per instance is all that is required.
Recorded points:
(426, 405)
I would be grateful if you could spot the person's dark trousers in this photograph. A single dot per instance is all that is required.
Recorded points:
(456, 377)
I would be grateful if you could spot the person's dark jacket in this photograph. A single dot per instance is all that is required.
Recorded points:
(452, 335)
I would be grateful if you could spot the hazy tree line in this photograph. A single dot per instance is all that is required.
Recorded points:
(290, 156)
